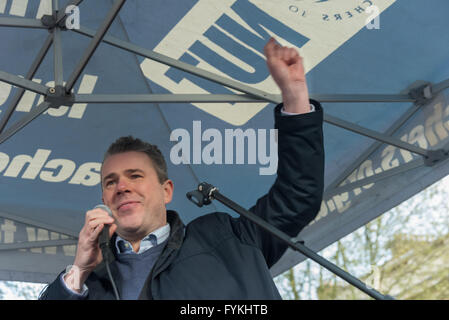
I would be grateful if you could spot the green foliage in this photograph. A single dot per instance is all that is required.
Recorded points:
(403, 252)
(15, 290)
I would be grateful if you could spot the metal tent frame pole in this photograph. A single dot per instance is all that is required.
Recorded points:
(62, 95)
(375, 178)
(94, 44)
(29, 76)
(37, 244)
(398, 123)
(23, 83)
(38, 224)
(22, 23)
(34, 113)
(57, 50)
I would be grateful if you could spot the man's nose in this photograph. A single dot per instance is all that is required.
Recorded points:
(122, 186)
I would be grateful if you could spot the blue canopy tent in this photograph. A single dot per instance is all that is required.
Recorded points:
(190, 77)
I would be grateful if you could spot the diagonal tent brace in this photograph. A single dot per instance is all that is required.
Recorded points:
(260, 95)
(94, 44)
(437, 88)
(32, 86)
(375, 135)
(375, 178)
(116, 42)
(35, 112)
(394, 128)
(23, 83)
(59, 95)
(32, 71)
(264, 96)
(421, 95)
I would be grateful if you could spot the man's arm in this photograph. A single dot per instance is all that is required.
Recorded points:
(295, 198)
(59, 290)
(71, 284)
(287, 69)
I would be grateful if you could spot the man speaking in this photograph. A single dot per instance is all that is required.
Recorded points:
(216, 256)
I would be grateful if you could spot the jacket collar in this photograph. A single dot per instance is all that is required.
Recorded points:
(176, 230)
(175, 238)
(175, 241)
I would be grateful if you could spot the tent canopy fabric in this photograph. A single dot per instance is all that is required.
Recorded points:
(190, 77)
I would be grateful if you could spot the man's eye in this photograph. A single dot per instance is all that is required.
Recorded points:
(109, 183)
(136, 176)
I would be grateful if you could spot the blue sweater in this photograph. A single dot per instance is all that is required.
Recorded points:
(134, 269)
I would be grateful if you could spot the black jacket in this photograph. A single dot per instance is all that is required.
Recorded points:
(217, 256)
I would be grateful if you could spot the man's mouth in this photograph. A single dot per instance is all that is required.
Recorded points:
(127, 205)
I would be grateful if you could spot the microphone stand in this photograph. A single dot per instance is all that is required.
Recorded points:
(206, 192)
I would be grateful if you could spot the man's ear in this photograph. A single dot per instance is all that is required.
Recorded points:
(168, 190)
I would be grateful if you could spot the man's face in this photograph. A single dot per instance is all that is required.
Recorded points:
(132, 191)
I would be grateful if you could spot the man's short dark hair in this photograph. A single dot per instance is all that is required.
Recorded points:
(129, 143)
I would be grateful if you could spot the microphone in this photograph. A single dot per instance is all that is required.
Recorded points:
(108, 256)
(104, 235)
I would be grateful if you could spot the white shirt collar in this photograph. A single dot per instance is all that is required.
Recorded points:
(152, 239)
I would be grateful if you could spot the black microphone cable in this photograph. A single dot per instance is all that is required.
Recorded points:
(106, 250)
